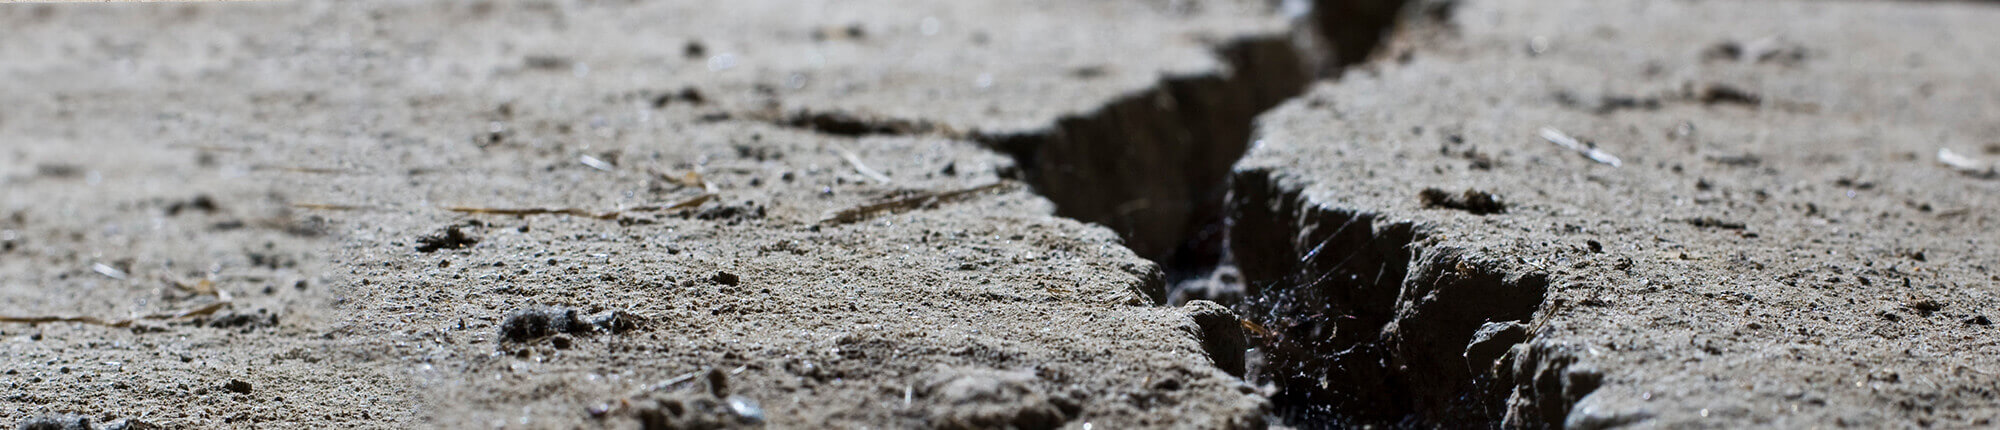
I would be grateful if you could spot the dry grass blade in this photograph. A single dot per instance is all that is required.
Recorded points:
(1588, 150)
(859, 166)
(902, 204)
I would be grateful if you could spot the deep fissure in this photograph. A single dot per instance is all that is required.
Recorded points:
(1355, 321)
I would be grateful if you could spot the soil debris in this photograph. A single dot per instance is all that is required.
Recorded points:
(242, 319)
(1745, 160)
(1713, 222)
(1714, 94)
(1766, 50)
(1473, 201)
(453, 237)
(922, 199)
(201, 202)
(524, 325)
(845, 124)
(685, 95)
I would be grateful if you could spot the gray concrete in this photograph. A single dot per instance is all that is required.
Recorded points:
(1778, 244)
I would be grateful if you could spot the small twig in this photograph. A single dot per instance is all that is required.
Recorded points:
(608, 215)
(858, 166)
(207, 309)
(921, 199)
(1589, 151)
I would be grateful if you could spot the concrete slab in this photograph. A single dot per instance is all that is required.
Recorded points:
(1776, 243)
(341, 135)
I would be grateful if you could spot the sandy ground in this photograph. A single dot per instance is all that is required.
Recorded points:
(570, 214)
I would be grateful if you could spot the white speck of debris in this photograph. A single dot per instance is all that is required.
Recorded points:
(1557, 137)
(108, 271)
(1967, 165)
(1538, 45)
(594, 163)
(721, 62)
(929, 26)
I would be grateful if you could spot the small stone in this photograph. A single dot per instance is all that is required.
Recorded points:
(725, 278)
(560, 341)
(988, 398)
(451, 238)
(746, 410)
(1473, 201)
(237, 386)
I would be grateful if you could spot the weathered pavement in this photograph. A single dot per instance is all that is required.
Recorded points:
(336, 138)
(1778, 244)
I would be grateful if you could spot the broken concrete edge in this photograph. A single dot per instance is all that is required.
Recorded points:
(1368, 320)
(1152, 164)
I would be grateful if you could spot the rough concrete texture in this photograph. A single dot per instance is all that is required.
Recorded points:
(1777, 245)
(331, 141)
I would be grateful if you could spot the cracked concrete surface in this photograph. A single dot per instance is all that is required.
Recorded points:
(1778, 245)
(335, 137)
(859, 214)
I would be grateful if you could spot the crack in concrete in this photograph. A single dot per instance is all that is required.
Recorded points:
(1355, 321)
